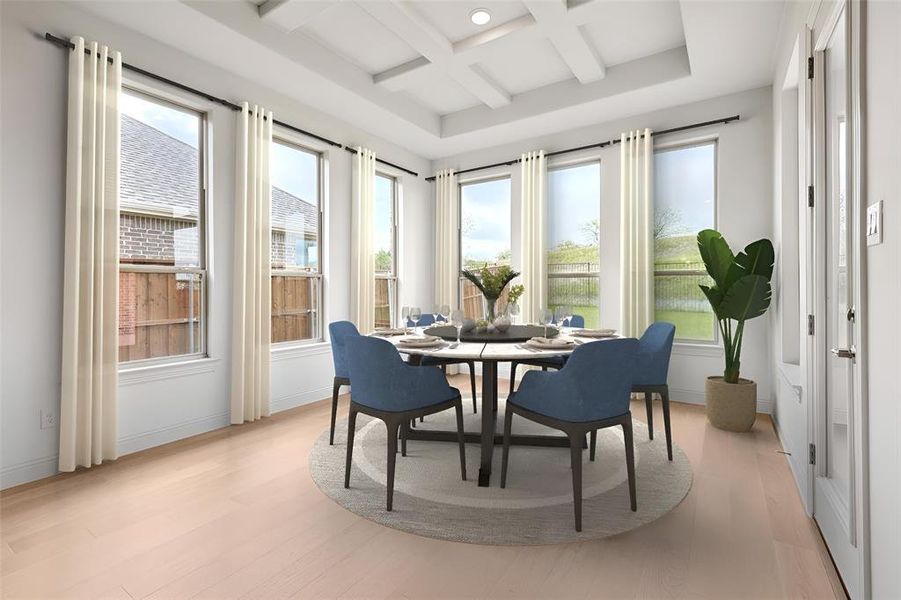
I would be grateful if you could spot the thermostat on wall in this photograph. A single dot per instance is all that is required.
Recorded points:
(874, 224)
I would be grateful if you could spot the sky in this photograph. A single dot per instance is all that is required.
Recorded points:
(574, 200)
(485, 212)
(685, 182)
(382, 213)
(181, 125)
(295, 171)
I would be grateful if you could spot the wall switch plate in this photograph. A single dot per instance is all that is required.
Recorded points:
(874, 224)
(48, 419)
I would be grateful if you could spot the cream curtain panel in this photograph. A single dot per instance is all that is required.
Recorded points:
(91, 265)
(533, 236)
(637, 233)
(447, 239)
(362, 261)
(251, 287)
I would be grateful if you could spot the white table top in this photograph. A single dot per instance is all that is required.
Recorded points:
(498, 351)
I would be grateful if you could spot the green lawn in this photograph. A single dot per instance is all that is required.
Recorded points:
(689, 325)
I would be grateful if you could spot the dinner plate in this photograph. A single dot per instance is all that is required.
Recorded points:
(389, 332)
(420, 342)
(550, 344)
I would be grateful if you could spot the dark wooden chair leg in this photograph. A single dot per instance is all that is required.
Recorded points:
(351, 427)
(505, 456)
(461, 438)
(664, 400)
(649, 405)
(392, 460)
(336, 387)
(593, 445)
(513, 366)
(472, 384)
(575, 446)
(405, 426)
(630, 460)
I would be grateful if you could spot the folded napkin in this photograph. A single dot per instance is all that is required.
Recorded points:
(419, 340)
(388, 332)
(594, 332)
(552, 341)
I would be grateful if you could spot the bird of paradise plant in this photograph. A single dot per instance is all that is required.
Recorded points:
(491, 282)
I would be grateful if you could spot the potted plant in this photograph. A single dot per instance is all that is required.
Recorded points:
(491, 282)
(741, 291)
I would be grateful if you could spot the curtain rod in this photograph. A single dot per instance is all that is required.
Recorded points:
(723, 120)
(67, 44)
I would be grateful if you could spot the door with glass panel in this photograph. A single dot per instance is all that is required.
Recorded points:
(835, 454)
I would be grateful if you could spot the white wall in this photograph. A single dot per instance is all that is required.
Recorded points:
(157, 405)
(882, 23)
(743, 213)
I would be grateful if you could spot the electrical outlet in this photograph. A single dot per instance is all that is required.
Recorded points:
(48, 419)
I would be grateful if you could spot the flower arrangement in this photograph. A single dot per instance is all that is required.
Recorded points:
(515, 293)
(491, 282)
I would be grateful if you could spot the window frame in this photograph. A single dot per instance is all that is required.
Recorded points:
(204, 144)
(684, 144)
(460, 185)
(318, 337)
(393, 278)
(570, 164)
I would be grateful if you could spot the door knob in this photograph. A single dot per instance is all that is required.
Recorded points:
(845, 352)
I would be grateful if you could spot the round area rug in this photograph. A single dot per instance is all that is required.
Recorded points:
(536, 507)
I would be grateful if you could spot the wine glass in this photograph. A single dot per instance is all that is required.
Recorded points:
(513, 311)
(415, 315)
(436, 312)
(457, 317)
(545, 316)
(405, 314)
(444, 313)
(568, 311)
(559, 316)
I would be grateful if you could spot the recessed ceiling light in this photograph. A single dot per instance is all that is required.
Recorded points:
(480, 16)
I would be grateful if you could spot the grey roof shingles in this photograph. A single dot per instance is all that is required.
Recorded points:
(160, 175)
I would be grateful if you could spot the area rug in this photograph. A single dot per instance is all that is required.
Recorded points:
(536, 507)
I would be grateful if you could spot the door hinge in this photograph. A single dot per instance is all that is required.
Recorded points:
(809, 67)
(812, 454)
(810, 325)
(810, 196)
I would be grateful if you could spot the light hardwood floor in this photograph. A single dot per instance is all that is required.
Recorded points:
(234, 513)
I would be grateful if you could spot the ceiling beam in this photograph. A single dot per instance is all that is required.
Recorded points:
(290, 15)
(567, 37)
(437, 50)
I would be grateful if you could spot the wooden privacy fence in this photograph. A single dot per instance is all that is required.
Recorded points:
(159, 314)
(293, 310)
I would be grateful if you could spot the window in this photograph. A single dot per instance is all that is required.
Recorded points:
(384, 241)
(296, 255)
(684, 204)
(573, 239)
(484, 236)
(162, 263)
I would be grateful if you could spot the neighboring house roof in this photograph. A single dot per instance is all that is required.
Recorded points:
(159, 177)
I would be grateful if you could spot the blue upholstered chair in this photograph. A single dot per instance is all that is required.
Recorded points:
(656, 346)
(427, 320)
(590, 392)
(339, 332)
(554, 362)
(385, 387)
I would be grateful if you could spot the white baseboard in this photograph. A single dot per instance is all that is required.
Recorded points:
(300, 398)
(28, 471)
(689, 396)
(172, 433)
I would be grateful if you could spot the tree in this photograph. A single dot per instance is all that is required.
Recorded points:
(592, 231)
(382, 261)
(667, 222)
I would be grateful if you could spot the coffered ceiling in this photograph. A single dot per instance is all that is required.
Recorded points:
(422, 74)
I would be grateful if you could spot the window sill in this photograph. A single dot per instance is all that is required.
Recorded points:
(697, 349)
(159, 372)
(288, 351)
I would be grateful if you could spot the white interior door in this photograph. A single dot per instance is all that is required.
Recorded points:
(837, 460)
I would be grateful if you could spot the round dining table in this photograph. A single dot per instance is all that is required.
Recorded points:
(490, 349)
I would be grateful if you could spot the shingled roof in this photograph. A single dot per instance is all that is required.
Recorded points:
(159, 176)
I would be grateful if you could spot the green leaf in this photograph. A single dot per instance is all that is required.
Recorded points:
(717, 256)
(749, 297)
(714, 297)
(757, 258)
